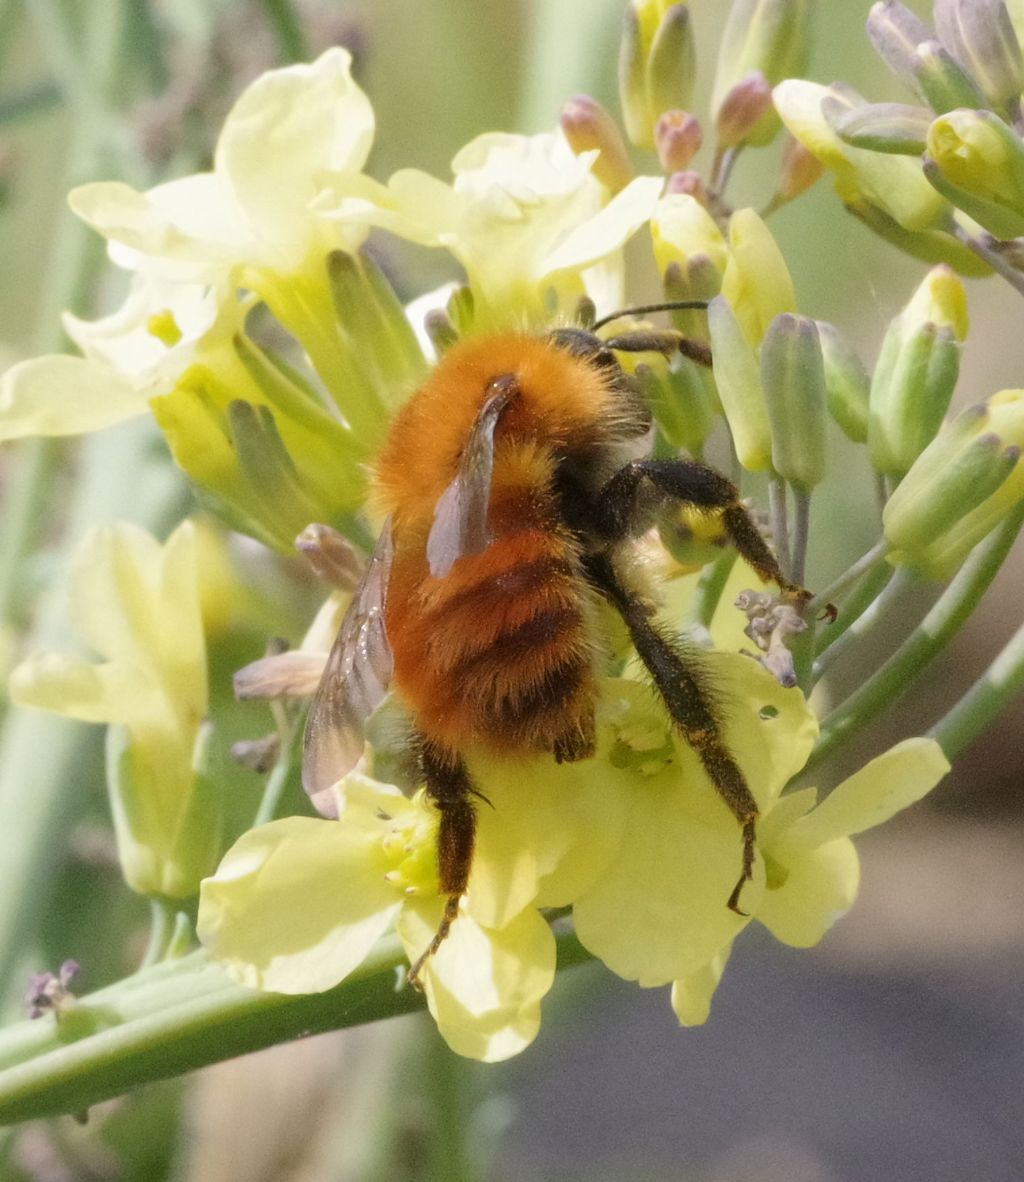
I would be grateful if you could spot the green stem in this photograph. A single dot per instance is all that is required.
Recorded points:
(857, 603)
(181, 937)
(179, 1016)
(287, 28)
(838, 586)
(994, 259)
(780, 520)
(877, 614)
(20, 104)
(161, 915)
(801, 534)
(931, 636)
(284, 775)
(985, 700)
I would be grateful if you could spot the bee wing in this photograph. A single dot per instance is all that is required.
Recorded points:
(460, 516)
(354, 681)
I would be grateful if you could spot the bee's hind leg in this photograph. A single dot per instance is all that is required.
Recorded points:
(451, 790)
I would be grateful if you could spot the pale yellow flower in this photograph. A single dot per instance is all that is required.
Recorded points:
(136, 603)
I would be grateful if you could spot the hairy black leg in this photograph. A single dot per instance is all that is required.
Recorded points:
(451, 789)
(666, 341)
(679, 676)
(636, 488)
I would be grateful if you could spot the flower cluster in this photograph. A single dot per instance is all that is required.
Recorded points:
(635, 842)
(942, 177)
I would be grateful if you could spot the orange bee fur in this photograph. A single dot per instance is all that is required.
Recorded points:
(499, 651)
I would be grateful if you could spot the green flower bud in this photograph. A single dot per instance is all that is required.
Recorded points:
(588, 126)
(980, 35)
(742, 110)
(885, 127)
(657, 65)
(960, 488)
(847, 383)
(768, 36)
(672, 64)
(940, 79)
(896, 32)
(793, 377)
(683, 400)
(677, 137)
(893, 184)
(916, 372)
(977, 161)
(738, 378)
(633, 81)
(925, 510)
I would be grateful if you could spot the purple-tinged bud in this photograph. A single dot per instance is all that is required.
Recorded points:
(677, 138)
(588, 126)
(980, 35)
(331, 555)
(896, 32)
(742, 109)
(943, 83)
(800, 169)
(690, 183)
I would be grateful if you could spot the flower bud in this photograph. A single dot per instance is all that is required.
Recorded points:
(977, 161)
(941, 81)
(677, 137)
(960, 487)
(742, 110)
(800, 169)
(657, 65)
(689, 183)
(846, 383)
(672, 64)
(893, 184)
(885, 127)
(921, 513)
(683, 401)
(793, 378)
(738, 378)
(896, 32)
(980, 35)
(916, 372)
(767, 36)
(588, 126)
(681, 228)
(331, 556)
(756, 280)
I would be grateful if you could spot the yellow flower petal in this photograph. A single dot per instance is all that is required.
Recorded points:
(60, 395)
(484, 986)
(658, 913)
(691, 996)
(79, 689)
(296, 905)
(287, 128)
(889, 783)
(819, 887)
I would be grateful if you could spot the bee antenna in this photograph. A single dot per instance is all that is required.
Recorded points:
(644, 309)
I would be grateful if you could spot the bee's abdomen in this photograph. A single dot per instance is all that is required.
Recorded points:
(498, 652)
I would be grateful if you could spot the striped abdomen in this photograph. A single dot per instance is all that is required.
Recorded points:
(498, 652)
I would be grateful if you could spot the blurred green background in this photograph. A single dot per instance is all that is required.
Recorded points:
(884, 1054)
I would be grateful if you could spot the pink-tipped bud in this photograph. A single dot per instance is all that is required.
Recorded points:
(742, 109)
(677, 138)
(800, 169)
(689, 182)
(588, 126)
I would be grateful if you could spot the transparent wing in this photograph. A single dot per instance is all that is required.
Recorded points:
(460, 516)
(354, 681)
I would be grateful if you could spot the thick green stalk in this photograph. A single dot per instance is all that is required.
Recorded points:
(985, 700)
(927, 640)
(181, 1015)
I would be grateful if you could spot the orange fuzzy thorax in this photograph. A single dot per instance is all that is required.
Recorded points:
(497, 652)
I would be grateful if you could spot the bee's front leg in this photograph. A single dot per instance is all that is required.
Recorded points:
(450, 788)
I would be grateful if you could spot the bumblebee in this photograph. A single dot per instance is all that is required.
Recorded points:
(514, 484)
